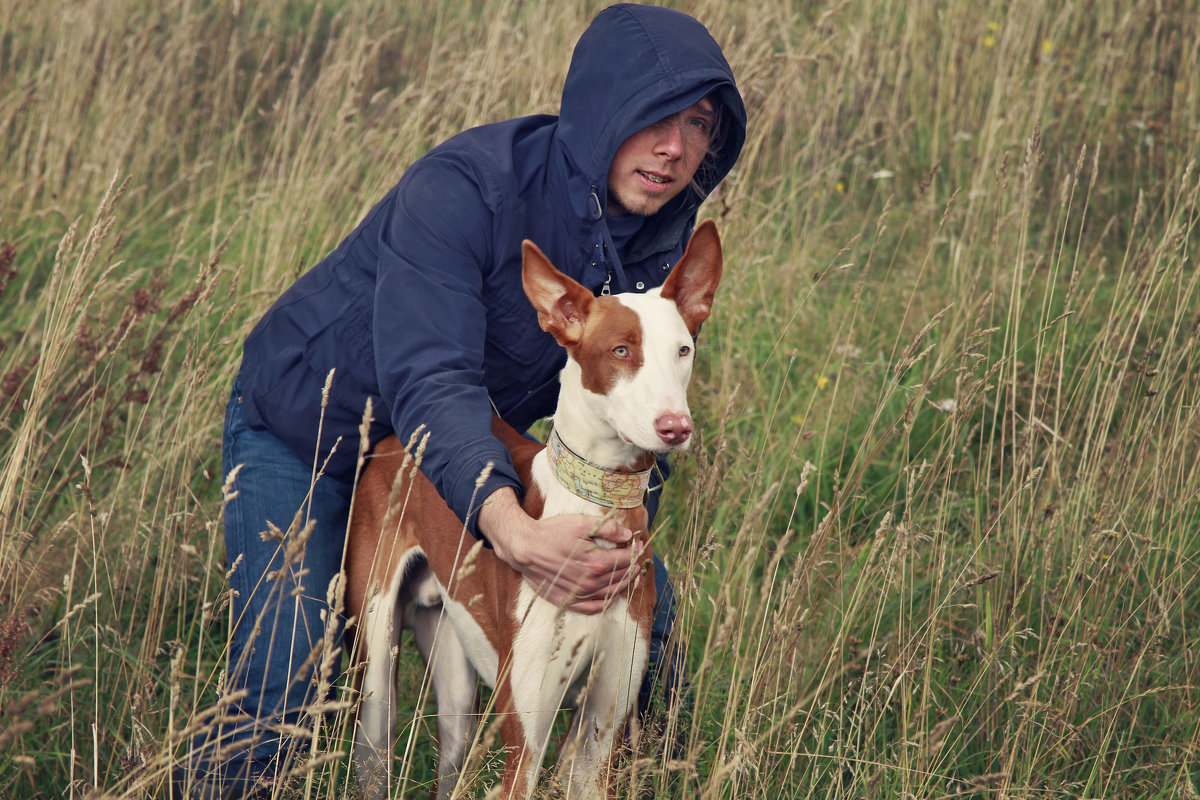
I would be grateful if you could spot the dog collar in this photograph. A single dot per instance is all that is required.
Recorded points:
(602, 486)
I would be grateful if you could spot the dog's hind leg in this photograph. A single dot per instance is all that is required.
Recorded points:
(454, 686)
(377, 710)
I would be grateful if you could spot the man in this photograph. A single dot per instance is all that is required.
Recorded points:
(420, 310)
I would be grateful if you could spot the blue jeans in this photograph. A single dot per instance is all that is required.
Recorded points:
(279, 605)
(283, 653)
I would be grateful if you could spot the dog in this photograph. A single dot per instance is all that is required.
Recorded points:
(410, 560)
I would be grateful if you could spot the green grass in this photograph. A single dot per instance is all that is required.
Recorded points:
(939, 536)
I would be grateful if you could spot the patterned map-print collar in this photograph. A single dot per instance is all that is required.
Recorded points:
(601, 486)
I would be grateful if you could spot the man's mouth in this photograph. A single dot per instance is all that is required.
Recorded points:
(654, 177)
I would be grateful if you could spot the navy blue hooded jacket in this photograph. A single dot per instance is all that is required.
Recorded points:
(421, 307)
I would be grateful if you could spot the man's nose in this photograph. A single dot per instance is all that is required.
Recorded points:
(670, 140)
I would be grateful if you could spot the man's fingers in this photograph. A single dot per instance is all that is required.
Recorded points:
(610, 531)
(580, 604)
(596, 604)
(589, 607)
(594, 594)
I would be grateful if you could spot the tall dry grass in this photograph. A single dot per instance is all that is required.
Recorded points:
(939, 538)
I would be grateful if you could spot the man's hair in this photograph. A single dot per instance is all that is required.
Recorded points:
(702, 177)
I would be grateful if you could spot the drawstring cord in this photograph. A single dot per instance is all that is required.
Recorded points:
(606, 243)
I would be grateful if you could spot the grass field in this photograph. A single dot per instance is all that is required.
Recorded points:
(940, 536)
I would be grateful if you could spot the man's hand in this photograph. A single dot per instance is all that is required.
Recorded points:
(559, 556)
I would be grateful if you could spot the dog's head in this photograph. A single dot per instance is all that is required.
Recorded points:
(631, 354)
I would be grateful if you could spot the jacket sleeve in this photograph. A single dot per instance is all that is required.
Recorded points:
(430, 322)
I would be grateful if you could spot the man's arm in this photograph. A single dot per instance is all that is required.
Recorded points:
(430, 326)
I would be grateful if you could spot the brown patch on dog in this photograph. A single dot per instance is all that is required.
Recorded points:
(610, 325)
(523, 450)
(376, 547)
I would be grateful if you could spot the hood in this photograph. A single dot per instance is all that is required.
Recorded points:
(633, 66)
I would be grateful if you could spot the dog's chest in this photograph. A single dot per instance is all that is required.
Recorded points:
(565, 642)
(561, 646)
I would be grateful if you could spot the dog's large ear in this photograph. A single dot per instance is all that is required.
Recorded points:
(693, 282)
(562, 304)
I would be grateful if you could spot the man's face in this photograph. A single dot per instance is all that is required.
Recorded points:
(655, 164)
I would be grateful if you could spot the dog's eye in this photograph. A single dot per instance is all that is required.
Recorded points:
(684, 351)
(621, 351)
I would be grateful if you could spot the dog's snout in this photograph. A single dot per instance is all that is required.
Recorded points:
(673, 428)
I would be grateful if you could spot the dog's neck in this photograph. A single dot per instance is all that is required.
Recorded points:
(589, 435)
(589, 459)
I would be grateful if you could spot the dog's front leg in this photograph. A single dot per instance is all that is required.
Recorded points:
(540, 672)
(525, 729)
(605, 705)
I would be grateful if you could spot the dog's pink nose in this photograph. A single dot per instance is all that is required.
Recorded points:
(673, 428)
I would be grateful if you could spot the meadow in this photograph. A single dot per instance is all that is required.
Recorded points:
(939, 536)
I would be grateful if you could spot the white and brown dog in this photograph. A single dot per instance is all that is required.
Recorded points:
(411, 562)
